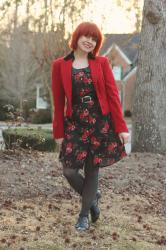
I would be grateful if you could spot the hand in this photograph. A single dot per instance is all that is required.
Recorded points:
(59, 141)
(58, 144)
(124, 137)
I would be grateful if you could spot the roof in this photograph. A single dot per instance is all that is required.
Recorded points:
(115, 46)
(128, 43)
(130, 73)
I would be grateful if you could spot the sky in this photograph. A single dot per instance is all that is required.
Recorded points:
(107, 15)
(112, 18)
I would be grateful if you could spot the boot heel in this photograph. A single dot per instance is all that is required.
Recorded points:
(94, 210)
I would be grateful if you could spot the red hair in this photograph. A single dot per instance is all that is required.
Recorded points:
(87, 29)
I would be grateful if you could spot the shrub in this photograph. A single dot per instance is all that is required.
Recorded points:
(38, 139)
(2, 115)
(40, 116)
(6, 111)
(9, 112)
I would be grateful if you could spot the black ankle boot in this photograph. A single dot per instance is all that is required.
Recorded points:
(82, 223)
(94, 210)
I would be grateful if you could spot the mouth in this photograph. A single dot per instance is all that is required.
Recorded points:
(87, 45)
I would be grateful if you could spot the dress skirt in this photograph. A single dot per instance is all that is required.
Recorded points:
(88, 130)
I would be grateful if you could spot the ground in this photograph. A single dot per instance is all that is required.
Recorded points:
(38, 209)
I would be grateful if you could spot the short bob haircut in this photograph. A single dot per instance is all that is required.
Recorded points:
(87, 29)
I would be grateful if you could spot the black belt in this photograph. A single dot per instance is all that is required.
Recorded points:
(84, 99)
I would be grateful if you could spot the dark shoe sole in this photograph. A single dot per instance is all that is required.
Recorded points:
(95, 216)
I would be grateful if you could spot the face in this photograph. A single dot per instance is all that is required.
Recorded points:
(86, 43)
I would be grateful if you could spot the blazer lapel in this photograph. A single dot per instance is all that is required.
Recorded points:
(95, 71)
(66, 68)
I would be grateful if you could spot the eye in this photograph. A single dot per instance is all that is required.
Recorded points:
(94, 39)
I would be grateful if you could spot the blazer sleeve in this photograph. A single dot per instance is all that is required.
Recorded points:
(58, 101)
(113, 99)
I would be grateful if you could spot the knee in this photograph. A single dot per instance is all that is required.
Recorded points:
(65, 172)
(68, 173)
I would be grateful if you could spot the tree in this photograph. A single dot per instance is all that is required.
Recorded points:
(19, 71)
(149, 110)
(46, 34)
(135, 7)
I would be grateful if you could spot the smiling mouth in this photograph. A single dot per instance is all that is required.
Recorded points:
(87, 46)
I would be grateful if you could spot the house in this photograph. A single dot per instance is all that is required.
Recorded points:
(40, 102)
(122, 52)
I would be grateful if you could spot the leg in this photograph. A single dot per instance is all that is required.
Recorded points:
(77, 181)
(74, 178)
(90, 186)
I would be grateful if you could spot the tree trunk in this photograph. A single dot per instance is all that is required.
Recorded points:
(149, 109)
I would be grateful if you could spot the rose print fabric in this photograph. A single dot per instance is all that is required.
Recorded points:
(88, 129)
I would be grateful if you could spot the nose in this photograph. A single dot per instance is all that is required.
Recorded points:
(90, 39)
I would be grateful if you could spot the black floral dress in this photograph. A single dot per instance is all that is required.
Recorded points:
(88, 130)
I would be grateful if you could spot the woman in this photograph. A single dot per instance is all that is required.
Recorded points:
(91, 131)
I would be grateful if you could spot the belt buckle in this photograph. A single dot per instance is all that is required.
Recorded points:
(90, 98)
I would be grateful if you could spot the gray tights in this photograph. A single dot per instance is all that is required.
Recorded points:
(86, 186)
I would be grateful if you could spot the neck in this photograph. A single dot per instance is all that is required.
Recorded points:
(80, 54)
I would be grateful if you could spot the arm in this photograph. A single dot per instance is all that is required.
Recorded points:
(113, 99)
(58, 101)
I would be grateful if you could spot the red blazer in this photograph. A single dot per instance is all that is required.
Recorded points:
(105, 87)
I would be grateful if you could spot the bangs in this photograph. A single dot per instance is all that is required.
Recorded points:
(87, 29)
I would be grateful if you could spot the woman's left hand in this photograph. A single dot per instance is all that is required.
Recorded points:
(124, 137)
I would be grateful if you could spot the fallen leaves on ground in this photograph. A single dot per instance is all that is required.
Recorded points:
(38, 209)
